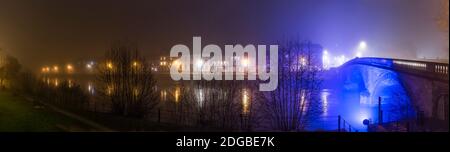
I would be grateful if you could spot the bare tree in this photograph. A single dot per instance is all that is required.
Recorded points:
(125, 81)
(442, 20)
(295, 101)
(443, 17)
(9, 69)
(217, 103)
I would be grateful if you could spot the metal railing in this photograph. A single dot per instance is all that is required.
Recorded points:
(344, 126)
(430, 70)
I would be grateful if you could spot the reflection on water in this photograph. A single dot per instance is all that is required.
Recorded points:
(56, 82)
(109, 90)
(334, 101)
(70, 83)
(91, 89)
(174, 94)
(303, 101)
(324, 98)
(135, 92)
(200, 97)
(163, 95)
(177, 94)
(200, 94)
(245, 101)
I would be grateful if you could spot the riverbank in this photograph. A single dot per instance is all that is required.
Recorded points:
(19, 115)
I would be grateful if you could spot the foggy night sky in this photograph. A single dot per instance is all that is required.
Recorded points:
(41, 32)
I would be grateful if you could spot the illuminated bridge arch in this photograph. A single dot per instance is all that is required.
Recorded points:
(425, 83)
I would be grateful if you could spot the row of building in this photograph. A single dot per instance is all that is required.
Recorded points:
(309, 54)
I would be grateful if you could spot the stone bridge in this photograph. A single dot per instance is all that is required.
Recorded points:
(419, 86)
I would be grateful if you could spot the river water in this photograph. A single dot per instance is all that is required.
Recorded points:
(335, 101)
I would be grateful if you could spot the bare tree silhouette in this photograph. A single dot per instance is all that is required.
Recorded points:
(125, 81)
(295, 102)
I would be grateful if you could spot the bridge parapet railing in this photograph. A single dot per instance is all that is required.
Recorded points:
(425, 68)
(431, 69)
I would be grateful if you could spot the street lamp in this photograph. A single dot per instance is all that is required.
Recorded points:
(358, 54)
(55, 68)
(325, 59)
(303, 61)
(45, 69)
(199, 63)
(362, 46)
(90, 65)
(109, 65)
(245, 62)
(69, 68)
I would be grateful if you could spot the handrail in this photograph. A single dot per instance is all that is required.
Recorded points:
(350, 128)
(432, 70)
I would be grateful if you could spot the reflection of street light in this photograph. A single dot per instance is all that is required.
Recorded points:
(90, 65)
(110, 89)
(136, 92)
(303, 61)
(177, 94)
(245, 101)
(177, 64)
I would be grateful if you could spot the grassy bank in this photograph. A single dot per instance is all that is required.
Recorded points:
(19, 115)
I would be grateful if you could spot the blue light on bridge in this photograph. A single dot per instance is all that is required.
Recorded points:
(359, 84)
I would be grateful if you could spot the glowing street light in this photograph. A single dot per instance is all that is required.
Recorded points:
(109, 65)
(69, 68)
(358, 54)
(199, 63)
(55, 68)
(175, 62)
(135, 63)
(325, 60)
(90, 65)
(303, 61)
(45, 70)
(245, 62)
(340, 60)
(362, 46)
